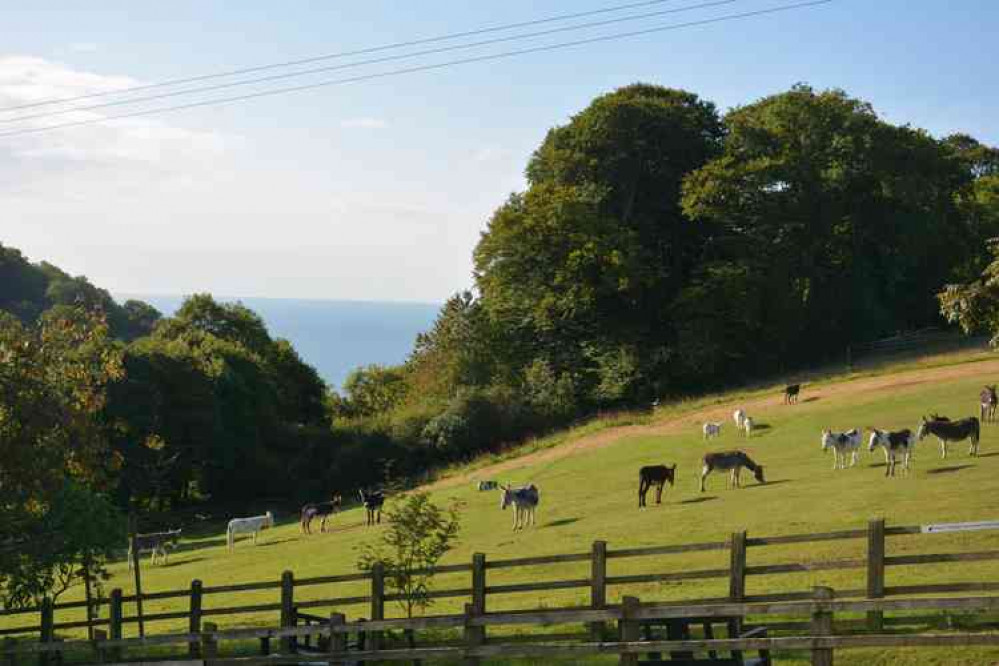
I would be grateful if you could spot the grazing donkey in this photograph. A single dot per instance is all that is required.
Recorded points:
(739, 416)
(733, 461)
(320, 510)
(487, 485)
(711, 430)
(654, 475)
(525, 500)
(842, 443)
(952, 431)
(373, 501)
(791, 393)
(898, 443)
(988, 400)
(155, 543)
(253, 525)
(747, 426)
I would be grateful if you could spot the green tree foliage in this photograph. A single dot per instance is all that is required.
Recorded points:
(834, 225)
(27, 290)
(374, 389)
(54, 454)
(585, 263)
(974, 306)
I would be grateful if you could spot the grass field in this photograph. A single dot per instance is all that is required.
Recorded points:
(592, 494)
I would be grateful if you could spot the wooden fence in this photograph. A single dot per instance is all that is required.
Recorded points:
(873, 598)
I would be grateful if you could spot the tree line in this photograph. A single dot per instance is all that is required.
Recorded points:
(660, 247)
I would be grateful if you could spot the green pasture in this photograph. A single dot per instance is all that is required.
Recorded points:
(593, 495)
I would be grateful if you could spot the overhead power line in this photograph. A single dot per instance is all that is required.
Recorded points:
(363, 63)
(341, 54)
(423, 68)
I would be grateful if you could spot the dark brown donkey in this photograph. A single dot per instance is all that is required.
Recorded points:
(654, 475)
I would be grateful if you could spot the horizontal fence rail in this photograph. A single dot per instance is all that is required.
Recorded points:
(873, 599)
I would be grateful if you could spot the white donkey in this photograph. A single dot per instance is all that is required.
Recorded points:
(252, 525)
(747, 426)
(842, 444)
(711, 430)
(739, 416)
(525, 501)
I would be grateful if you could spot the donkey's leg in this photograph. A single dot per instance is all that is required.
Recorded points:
(704, 474)
(943, 448)
(641, 493)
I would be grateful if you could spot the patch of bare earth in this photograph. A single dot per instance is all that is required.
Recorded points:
(901, 382)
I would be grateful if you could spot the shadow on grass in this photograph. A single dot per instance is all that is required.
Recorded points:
(811, 399)
(761, 426)
(698, 500)
(180, 563)
(948, 470)
(561, 521)
(764, 485)
(988, 455)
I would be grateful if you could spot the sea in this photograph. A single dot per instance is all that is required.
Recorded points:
(334, 337)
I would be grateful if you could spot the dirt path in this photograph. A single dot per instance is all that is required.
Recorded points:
(898, 382)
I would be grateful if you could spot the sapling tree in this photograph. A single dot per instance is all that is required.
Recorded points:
(419, 534)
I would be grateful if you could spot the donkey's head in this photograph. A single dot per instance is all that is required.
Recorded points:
(759, 474)
(924, 429)
(269, 522)
(671, 474)
(506, 496)
(874, 440)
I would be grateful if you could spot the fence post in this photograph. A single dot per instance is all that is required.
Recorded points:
(9, 645)
(822, 625)
(209, 646)
(598, 586)
(377, 603)
(629, 630)
(737, 567)
(47, 634)
(100, 636)
(473, 637)
(115, 617)
(194, 617)
(338, 640)
(875, 570)
(479, 592)
(287, 610)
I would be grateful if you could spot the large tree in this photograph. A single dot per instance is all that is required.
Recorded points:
(584, 264)
(829, 224)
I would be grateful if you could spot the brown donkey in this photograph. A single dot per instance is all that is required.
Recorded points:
(654, 475)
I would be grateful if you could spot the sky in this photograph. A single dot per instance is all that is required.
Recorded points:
(380, 189)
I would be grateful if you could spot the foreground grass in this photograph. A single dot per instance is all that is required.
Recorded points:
(592, 495)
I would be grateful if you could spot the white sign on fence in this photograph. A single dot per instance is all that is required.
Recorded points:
(960, 527)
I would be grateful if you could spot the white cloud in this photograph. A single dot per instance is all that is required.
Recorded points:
(364, 123)
(146, 142)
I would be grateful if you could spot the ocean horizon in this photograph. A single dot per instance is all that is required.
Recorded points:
(333, 336)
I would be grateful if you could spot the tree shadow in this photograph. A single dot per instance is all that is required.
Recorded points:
(180, 563)
(947, 470)
(698, 500)
(561, 521)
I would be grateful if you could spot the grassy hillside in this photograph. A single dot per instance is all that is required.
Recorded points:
(592, 494)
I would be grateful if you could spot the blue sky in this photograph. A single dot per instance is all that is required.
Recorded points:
(379, 190)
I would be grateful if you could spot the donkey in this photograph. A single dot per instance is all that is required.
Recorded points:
(842, 443)
(739, 416)
(320, 510)
(747, 426)
(253, 525)
(733, 461)
(988, 400)
(711, 430)
(654, 475)
(898, 443)
(373, 501)
(791, 393)
(952, 431)
(525, 500)
(155, 543)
